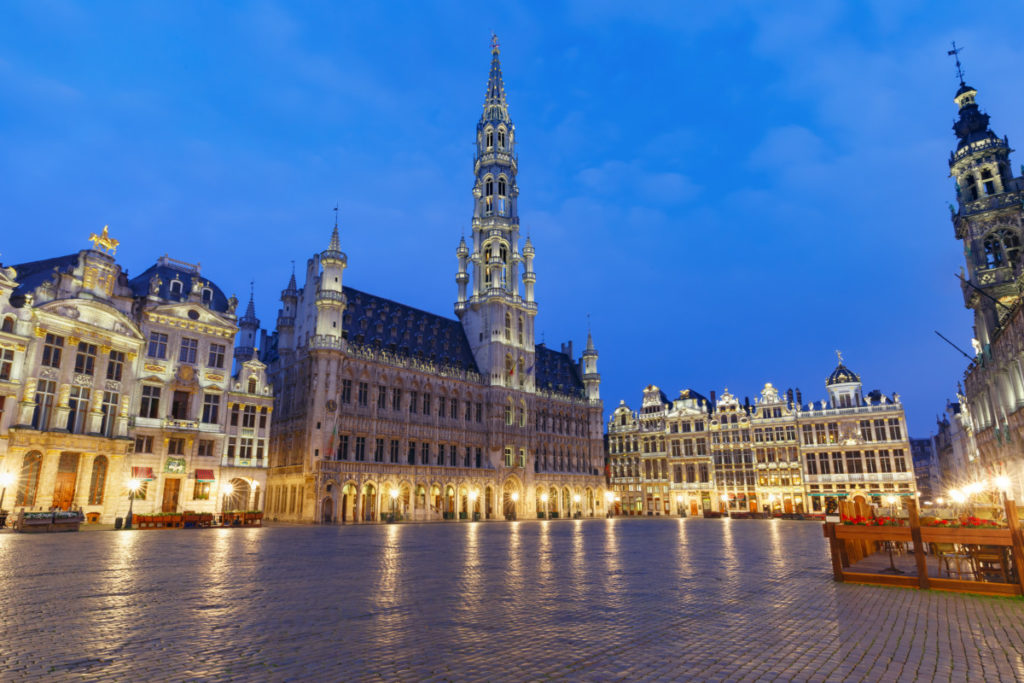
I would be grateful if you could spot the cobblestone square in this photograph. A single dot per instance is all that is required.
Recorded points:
(627, 599)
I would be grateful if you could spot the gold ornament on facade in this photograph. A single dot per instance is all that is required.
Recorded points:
(40, 332)
(104, 241)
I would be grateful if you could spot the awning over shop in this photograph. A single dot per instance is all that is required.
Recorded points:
(205, 475)
(145, 473)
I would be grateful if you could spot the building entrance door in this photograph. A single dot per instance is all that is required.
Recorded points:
(171, 490)
(67, 474)
(693, 508)
(787, 505)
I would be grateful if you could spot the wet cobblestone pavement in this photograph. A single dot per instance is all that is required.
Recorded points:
(592, 600)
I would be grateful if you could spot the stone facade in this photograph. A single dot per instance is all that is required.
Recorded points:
(107, 379)
(694, 456)
(989, 220)
(385, 409)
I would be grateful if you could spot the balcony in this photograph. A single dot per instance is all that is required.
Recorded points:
(173, 423)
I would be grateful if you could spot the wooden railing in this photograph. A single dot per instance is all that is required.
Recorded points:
(858, 554)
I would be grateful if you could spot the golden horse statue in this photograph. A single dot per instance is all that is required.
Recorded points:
(104, 241)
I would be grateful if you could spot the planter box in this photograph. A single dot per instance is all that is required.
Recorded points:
(33, 522)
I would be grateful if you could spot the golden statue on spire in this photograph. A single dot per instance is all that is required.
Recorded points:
(839, 355)
(104, 241)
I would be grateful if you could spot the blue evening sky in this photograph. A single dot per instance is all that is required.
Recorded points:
(732, 190)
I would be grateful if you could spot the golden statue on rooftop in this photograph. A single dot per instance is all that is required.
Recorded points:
(104, 241)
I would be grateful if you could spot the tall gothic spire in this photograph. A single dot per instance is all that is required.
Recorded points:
(495, 106)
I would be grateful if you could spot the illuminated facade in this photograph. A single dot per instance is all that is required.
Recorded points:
(105, 379)
(696, 456)
(383, 408)
(988, 220)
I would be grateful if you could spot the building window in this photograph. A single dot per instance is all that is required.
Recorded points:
(245, 448)
(479, 412)
(175, 446)
(411, 455)
(205, 447)
(378, 451)
(46, 392)
(508, 414)
(424, 453)
(98, 482)
(346, 391)
(150, 404)
(189, 348)
(895, 433)
(263, 417)
(109, 410)
(382, 398)
(217, 352)
(394, 451)
(479, 458)
(440, 454)
(201, 491)
(441, 403)
(249, 417)
(426, 404)
(454, 410)
(522, 457)
(52, 349)
(360, 448)
(508, 327)
(469, 411)
(342, 447)
(157, 345)
(85, 359)
(363, 394)
(259, 448)
(396, 399)
(144, 444)
(234, 415)
(78, 409)
(115, 366)
(251, 386)
(211, 408)
(6, 363)
(508, 456)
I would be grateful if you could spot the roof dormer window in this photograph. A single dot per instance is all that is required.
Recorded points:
(176, 287)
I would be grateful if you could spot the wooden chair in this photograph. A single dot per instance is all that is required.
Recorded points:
(953, 560)
(990, 561)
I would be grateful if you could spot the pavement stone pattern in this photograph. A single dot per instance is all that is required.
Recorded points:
(591, 600)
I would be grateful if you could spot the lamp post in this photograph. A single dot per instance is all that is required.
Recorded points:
(472, 504)
(891, 500)
(771, 505)
(679, 504)
(133, 487)
(515, 505)
(544, 499)
(394, 501)
(576, 504)
(618, 503)
(226, 491)
(609, 497)
(725, 503)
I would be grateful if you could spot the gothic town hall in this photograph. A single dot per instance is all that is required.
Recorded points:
(383, 409)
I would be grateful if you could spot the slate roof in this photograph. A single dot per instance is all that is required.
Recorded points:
(842, 375)
(557, 372)
(385, 324)
(140, 285)
(34, 273)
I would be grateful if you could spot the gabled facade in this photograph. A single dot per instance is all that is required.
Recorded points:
(114, 379)
(694, 456)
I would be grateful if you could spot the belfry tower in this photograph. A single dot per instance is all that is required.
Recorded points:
(496, 314)
(988, 215)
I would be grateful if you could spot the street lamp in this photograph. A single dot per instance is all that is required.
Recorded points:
(576, 500)
(609, 497)
(679, 504)
(544, 499)
(472, 504)
(394, 501)
(515, 504)
(725, 503)
(133, 486)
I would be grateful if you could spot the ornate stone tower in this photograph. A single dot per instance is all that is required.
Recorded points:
(248, 329)
(988, 217)
(591, 378)
(497, 318)
(330, 299)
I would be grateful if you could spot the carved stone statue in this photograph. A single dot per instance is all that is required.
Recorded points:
(232, 303)
(154, 285)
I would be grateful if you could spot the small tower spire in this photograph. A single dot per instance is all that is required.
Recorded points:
(248, 328)
(495, 105)
(335, 240)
